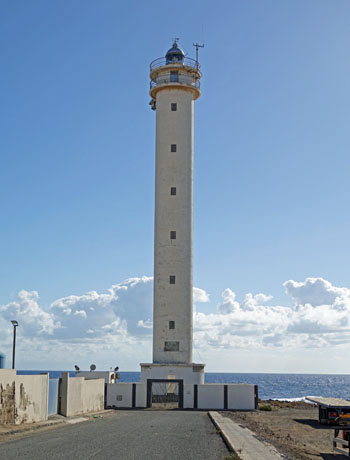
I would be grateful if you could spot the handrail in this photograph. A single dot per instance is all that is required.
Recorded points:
(189, 62)
(195, 83)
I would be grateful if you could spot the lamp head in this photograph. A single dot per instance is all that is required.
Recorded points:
(14, 322)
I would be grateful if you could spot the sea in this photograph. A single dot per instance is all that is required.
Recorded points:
(286, 387)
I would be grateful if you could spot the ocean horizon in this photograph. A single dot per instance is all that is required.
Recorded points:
(293, 387)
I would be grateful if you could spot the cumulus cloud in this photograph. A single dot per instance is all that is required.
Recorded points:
(315, 291)
(199, 295)
(125, 308)
(121, 318)
(33, 318)
(320, 316)
(229, 304)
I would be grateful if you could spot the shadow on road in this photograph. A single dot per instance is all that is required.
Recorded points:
(334, 457)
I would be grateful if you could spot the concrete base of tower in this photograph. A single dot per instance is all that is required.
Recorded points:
(188, 373)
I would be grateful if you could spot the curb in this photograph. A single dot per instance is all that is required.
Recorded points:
(31, 427)
(47, 423)
(222, 434)
(242, 441)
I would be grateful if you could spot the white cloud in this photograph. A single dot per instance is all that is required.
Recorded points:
(319, 317)
(81, 313)
(229, 305)
(145, 324)
(117, 323)
(199, 295)
(33, 318)
(315, 291)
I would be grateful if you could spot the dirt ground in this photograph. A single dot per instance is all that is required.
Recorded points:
(293, 428)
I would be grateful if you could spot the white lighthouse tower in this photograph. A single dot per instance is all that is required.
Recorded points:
(175, 85)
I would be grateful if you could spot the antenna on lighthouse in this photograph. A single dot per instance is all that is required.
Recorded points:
(197, 45)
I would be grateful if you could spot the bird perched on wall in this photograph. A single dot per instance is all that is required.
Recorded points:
(77, 368)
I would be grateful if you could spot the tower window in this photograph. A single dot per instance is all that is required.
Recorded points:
(171, 324)
(172, 190)
(174, 76)
(173, 148)
(172, 279)
(173, 107)
(173, 234)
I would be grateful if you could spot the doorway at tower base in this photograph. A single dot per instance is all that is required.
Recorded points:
(188, 373)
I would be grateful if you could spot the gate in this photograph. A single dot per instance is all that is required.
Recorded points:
(53, 396)
(165, 393)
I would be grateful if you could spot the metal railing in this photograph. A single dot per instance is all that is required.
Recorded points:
(188, 62)
(167, 78)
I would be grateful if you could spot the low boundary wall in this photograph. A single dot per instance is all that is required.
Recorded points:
(23, 398)
(218, 396)
(79, 396)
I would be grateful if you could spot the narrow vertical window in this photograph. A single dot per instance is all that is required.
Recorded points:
(172, 279)
(173, 234)
(173, 106)
(173, 148)
(171, 324)
(174, 76)
(172, 190)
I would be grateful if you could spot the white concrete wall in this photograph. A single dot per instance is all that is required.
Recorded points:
(24, 398)
(93, 395)
(119, 395)
(182, 372)
(211, 396)
(241, 396)
(32, 398)
(74, 397)
(7, 396)
(188, 396)
(141, 395)
(79, 396)
(173, 302)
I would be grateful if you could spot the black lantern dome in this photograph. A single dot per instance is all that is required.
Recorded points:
(175, 54)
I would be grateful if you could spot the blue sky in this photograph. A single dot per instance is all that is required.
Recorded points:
(271, 160)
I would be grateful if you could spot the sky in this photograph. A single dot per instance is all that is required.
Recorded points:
(271, 194)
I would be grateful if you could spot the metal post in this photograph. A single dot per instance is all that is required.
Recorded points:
(197, 45)
(15, 324)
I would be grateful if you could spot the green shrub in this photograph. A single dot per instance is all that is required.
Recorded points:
(265, 407)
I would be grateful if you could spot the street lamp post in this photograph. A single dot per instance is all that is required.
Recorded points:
(15, 324)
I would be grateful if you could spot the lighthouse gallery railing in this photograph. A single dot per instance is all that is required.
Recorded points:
(188, 62)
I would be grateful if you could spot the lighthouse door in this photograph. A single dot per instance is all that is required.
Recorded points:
(165, 393)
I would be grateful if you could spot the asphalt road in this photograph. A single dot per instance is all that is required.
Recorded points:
(125, 435)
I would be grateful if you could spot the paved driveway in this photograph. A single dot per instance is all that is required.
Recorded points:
(125, 435)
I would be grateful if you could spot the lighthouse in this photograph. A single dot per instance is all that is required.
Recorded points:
(172, 379)
(174, 86)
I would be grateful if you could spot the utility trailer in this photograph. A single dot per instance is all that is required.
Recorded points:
(332, 411)
(335, 411)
